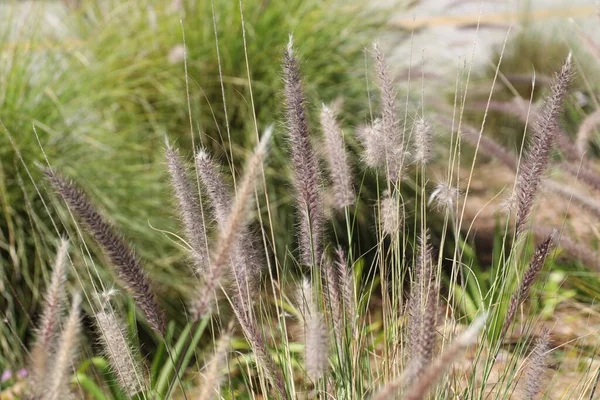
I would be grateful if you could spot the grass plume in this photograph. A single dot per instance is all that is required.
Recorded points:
(537, 157)
(316, 346)
(229, 233)
(536, 366)
(119, 253)
(119, 351)
(423, 142)
(422, 309)
(192, 215)
(392, 136)
(51, 317)
(304, 162)
(212, 376)
(535, 266)
(56, 384)
(337, 159)
(434, 370)
(245, 261)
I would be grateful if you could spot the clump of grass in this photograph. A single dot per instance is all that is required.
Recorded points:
(383, 346)
(113, 83)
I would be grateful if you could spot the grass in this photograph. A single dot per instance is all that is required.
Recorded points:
(108, 95)
(318, 311)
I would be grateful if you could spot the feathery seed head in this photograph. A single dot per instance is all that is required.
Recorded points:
(537, 365)
(305, 298)
(214, 183)
(316, 347)
(444, 197)
(54, 298)
(422, 309)
(508, 205)
(391, 214)
(374, 147)
(585, 131)
(423, 138)
(56, 384)
(337, 159)
(245, 260)
(119, 253)
(537, 157)
(419, 385)
(212, 377)
(52, 310)
(304, 163)
(347, 286)
(119, 351)
(392, 136)
(469, 335)
(191, 212)
(230, 232)
(535, 266)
